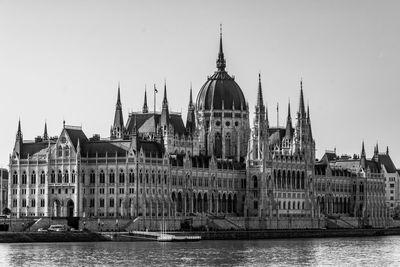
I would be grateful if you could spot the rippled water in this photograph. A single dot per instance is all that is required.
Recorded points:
(367, 251)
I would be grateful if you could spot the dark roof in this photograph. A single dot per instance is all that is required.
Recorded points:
(373, 165)
(276, 135)
(32, 148)
(151, 148)
(387, 162)
(75, 134)
(101, 148)
(220, 88)
(147, 122)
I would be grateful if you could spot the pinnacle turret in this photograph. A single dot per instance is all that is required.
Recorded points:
(45, 135)
(118, 125)
(302, 111)
(288, 132)
(221, 63)
(145, 109)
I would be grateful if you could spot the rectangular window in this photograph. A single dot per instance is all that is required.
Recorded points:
(111, 203)
(121, 191)
(111, 191)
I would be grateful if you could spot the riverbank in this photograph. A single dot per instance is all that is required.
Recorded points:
(261, 234)
(48, 237)
(31, 237)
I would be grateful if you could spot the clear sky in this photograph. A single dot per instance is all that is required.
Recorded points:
(63, 60)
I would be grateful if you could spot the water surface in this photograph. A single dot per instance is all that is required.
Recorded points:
(366, 251)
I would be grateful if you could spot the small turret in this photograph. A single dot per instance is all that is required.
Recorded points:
(164, 121)
(45, 135)
(145, 109)
(288, 133)
(190, 121)
(18, 139)
(363, 158)
(302, 110)
(118, 126)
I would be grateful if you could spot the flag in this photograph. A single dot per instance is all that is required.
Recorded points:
(155, 89)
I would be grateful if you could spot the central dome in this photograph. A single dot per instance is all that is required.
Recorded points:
(220, 90)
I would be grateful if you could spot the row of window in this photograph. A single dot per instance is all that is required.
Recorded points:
(31, 204)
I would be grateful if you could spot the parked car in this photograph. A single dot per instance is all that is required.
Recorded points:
(76, 230)
(57, 228)
(42, 230)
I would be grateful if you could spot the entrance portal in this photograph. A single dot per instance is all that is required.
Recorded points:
(70, 208)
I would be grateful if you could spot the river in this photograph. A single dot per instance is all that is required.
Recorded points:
(366, 251)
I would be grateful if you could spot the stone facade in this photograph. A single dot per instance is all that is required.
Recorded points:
(154, 166)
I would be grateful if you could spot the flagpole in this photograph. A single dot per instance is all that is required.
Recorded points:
(154, 93)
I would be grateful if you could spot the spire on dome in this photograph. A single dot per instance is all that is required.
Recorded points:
(221, 63)
(145, 109)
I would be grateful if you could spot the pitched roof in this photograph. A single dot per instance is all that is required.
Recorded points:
(32, 148)
(101, 148)
(76, 133)
(385, 160)
(147, 122)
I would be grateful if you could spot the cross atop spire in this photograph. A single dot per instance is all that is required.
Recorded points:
(221, 63)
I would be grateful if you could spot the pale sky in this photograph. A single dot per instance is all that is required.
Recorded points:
(63, 60)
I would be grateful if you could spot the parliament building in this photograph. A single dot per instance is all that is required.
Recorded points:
(217, 164)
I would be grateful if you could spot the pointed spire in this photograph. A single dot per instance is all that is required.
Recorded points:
(19, 132)
(145, 109)
(190, 120)
(119, 95)
(377, 148)
(118, 126)
(190, 96)
(45, 135)
(221, 64)
(387, 150)
(165, 100)
(260, 101)
(363, 150)
(288, 132)
(302, 110)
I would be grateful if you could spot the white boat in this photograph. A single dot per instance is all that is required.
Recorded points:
(164, 237)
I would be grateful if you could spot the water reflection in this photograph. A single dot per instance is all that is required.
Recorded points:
(368, 251)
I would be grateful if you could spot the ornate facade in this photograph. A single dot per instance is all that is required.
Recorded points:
(156, 165)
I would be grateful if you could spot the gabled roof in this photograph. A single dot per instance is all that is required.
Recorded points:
(385, 160)
(32, 148)
(147, 122)
(76, 133)
(101, 148)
